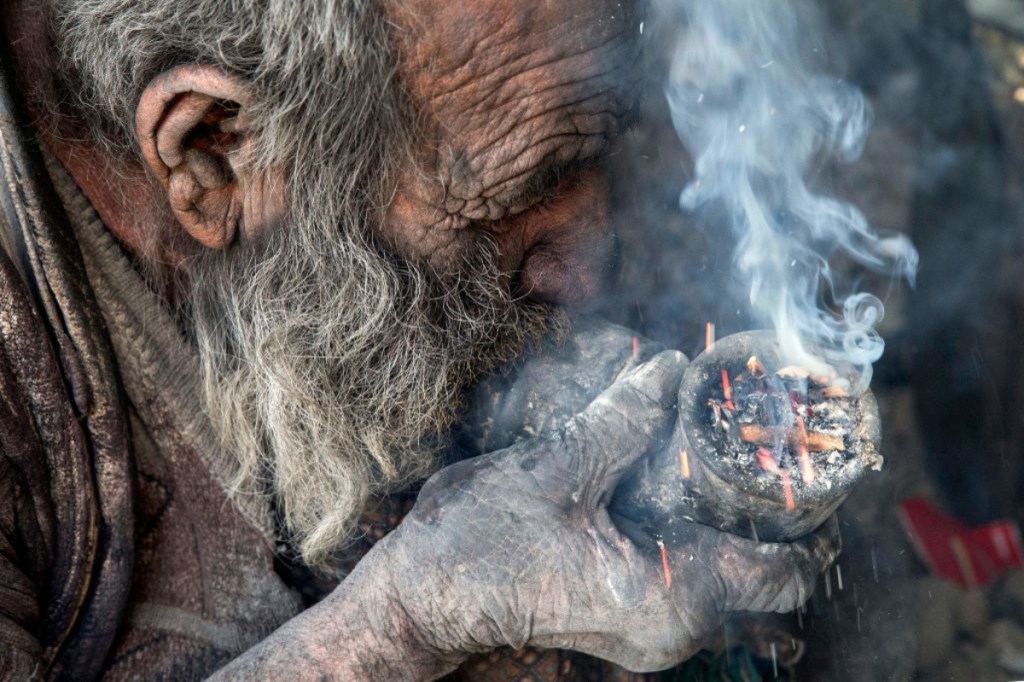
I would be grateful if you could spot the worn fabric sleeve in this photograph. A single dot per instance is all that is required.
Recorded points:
(24, 549)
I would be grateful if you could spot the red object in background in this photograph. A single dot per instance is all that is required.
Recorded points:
(970, 557)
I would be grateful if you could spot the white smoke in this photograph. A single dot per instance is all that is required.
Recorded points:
(755, 116)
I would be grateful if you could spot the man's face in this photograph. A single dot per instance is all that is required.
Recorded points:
(336, 350)
(517, 102)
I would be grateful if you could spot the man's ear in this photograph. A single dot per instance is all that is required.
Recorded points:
(191, 125)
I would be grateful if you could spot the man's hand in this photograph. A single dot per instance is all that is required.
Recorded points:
(517, 547)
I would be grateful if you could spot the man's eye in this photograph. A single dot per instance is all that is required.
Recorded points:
(547, 181)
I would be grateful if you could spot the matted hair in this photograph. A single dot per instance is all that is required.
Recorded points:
(328, 61)
(333, 368)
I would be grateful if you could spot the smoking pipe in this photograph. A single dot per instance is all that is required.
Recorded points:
(687, 480)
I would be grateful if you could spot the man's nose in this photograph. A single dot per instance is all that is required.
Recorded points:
(562, 250)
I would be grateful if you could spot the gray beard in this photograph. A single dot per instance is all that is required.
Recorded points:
(333, 373)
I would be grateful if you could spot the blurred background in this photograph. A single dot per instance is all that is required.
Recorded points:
(944, 165)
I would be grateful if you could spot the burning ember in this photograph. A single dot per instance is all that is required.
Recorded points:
(664, 564)
(806, 468)
(684, 464)
(767, 461)
(727, 390)
(786, 422)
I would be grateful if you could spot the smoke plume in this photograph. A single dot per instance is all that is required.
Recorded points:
(756, 116)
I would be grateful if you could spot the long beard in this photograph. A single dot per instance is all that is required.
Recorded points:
(334, 372)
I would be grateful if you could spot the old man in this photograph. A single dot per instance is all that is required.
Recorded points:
(254, 252)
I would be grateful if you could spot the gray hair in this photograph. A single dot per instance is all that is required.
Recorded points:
(299, 56)
(333, 368)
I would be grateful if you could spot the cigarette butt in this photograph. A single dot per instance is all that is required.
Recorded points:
(759, 435)
(816, 442)
(684, 464)
(793, 372)
(820, 442)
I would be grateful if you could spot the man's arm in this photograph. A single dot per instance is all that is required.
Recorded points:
(517, 548)
(359, 632)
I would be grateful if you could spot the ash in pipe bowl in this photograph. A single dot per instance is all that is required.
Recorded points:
(739, 459)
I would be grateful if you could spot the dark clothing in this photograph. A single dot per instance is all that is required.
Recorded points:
(120, 552)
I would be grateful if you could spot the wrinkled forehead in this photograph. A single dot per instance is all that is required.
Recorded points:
(463, 59)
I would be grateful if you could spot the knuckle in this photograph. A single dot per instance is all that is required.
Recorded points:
(573, 443)
(584, 449)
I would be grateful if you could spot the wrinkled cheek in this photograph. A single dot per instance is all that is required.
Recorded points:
(416, 227)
